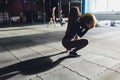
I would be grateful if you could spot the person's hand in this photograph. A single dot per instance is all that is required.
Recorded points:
(90, 25)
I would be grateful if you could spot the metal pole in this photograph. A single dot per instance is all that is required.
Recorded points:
(31, 12)
(83, 6)
(69, 5)
(59, 7)
(9, 14)
(44, 14)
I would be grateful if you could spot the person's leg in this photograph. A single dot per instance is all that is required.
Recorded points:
(50, 22)
(54, 20)
(79, 44)
(74, 46)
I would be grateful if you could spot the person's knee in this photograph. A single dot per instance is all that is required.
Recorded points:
(86, 41)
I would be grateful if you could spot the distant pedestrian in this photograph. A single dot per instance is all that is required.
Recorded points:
(61, 20)
(52, 16)
(77, 26)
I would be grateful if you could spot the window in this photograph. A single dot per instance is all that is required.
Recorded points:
(104, 5)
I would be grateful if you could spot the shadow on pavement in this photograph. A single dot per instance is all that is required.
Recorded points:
(32, 66)
(31, 39)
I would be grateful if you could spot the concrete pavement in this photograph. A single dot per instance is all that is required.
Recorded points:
(35, 53)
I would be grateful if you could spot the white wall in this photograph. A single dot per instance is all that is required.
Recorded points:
(108, 16)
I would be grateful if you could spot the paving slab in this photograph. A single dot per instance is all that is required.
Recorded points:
(18, 76)
(42, 49)
(6, 58)
(63, 74)
(99, 59)
(104, 52)
(108, 75)
(116, 68)
(19, 50)
(36, 53)
(86, 68)
(56, 45)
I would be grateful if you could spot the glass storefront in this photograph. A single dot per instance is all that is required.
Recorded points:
(32, 11)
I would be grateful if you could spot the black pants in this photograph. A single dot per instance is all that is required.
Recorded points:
(76, 44)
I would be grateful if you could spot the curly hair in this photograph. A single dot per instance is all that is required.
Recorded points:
(87, 18)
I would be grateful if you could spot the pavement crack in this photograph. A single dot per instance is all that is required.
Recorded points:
(39, 77)
(107, 68)
(12, 53)
(77, 73)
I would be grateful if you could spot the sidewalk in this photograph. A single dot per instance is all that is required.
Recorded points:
(36, 53)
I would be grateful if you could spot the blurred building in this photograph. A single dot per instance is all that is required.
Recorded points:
(33, 11)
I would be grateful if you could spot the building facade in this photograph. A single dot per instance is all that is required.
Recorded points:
(33, 11)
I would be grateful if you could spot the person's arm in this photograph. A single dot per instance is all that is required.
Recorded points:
(82, 32)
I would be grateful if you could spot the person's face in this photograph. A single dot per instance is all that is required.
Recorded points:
(90, 25)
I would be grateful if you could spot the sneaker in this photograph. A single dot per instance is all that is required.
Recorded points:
(74, 54)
